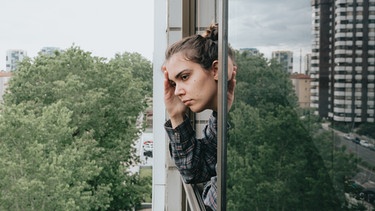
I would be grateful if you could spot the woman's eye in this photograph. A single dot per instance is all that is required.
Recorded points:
(184, 77)
(173, 84)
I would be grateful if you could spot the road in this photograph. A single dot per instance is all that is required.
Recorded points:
(364, 153)
(365, 177)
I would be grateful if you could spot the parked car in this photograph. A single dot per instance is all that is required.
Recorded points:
(356, 140)
(368, 195)
(353, 188)
(365, 143)
(348, 136)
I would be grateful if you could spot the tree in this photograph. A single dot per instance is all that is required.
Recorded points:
(273, 160)
(39, 170)
(275, 166)
(105, 100)
(263, 84)
(367, 129)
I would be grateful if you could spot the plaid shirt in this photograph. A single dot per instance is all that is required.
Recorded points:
(196, 159)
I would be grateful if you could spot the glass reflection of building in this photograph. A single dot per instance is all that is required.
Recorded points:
(285, 58)
(343, 59)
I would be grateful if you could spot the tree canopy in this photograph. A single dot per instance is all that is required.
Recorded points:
(273, 159)
(68, 125)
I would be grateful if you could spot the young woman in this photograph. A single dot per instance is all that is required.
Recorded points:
(191, 81)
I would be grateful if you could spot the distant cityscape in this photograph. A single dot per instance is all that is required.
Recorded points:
(14, 56)
(338, 75)
(284, 57)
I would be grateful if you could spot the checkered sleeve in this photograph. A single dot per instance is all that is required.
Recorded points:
(195, 158)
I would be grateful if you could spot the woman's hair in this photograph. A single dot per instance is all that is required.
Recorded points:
(202, 49)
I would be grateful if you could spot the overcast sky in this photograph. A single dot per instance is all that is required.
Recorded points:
(271, 25)
(115, 26)
(101, 27)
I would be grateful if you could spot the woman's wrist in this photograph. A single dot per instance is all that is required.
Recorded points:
(176, 120)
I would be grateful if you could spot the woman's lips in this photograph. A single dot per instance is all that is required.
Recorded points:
(187, 102)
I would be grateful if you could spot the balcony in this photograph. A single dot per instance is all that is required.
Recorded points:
(339, 85)
(341, 34)
(338, 77)
(339, 60)
(341, 102)
(358, 59)
(340, 51)
(359, 77)
(339, 93)
(338, 118)
(358, 68)
(339, 110)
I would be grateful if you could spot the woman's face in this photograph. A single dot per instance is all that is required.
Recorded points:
(195, 86)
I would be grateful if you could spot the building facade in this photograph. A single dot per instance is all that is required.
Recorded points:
(301, 83)
(307, 64)
(285, 58)
(49, 51)
(343, 60)
(13, 57)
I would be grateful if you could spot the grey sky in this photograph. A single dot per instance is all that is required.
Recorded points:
(101, 27)
(115, 26)
(271, 25)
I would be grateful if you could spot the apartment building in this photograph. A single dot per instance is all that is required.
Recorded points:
(13, 57)
(343, 60)
(49, 50)
(307, 63)
(301, 83)
(285, 58)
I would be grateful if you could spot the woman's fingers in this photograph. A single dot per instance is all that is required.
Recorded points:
(232, 81)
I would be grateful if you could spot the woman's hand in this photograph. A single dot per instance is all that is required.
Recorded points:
(174, 106)
(231, 87)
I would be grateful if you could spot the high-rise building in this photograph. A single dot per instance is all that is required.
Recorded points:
(285, 58)
(13, 57)
(343, 60)
(307, 63)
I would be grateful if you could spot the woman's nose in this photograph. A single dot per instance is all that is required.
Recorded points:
(179, 90)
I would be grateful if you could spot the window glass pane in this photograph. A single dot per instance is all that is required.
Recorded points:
(302, 125)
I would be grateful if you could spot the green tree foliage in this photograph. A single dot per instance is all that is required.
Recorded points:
(342, 166)
(367, 129)
(104, 101)
(39, 170)
(263, 84)
(273, 161)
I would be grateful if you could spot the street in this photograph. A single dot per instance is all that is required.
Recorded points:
(365, 177)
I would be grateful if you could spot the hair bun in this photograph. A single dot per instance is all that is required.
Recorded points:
(212, 32)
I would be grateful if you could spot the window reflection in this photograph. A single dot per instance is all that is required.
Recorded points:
(286, 152)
